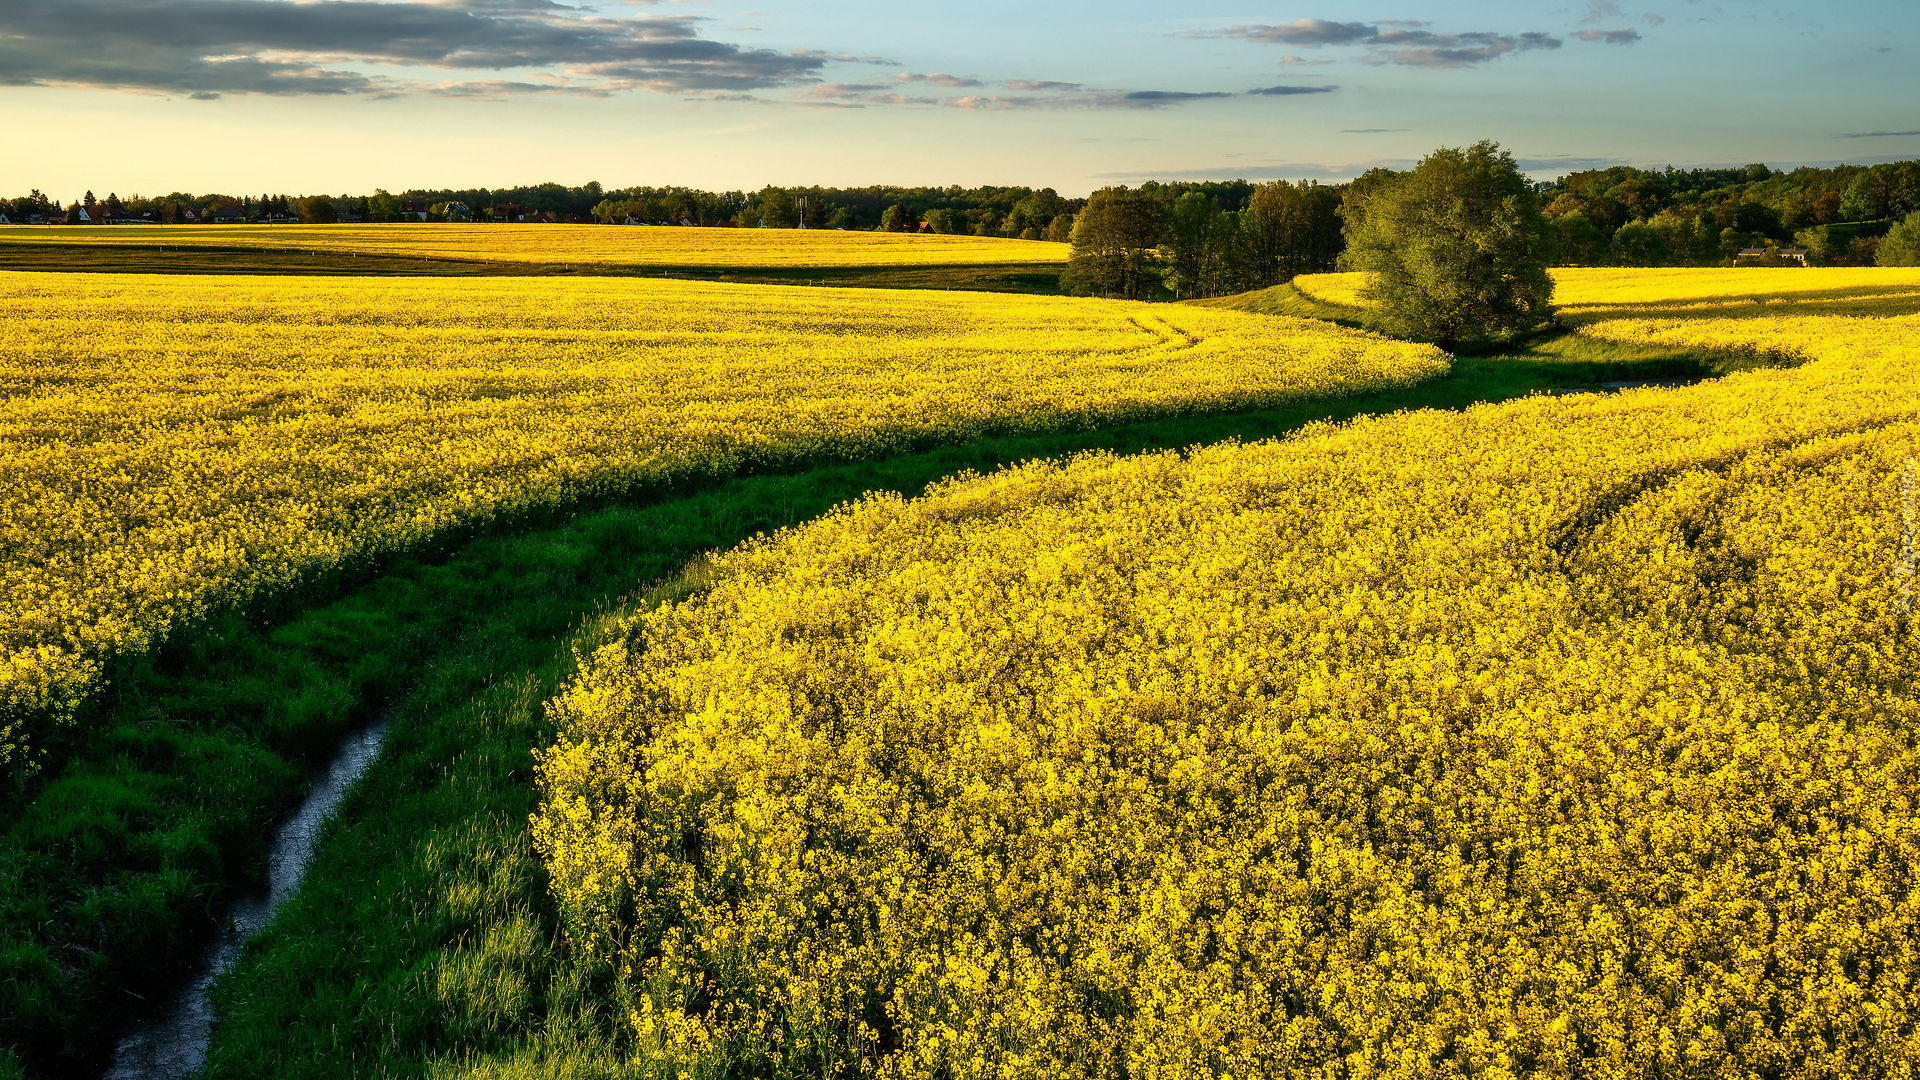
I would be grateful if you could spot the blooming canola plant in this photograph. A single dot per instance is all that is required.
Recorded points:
(1569, 736)
(176, 447)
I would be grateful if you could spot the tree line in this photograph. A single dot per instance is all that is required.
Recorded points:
(985, 211)
(1160, 239)
(1153, 240)
(1625, 216)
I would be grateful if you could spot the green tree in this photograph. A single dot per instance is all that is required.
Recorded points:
(1035, 211)
(1733, 241)
(1291, 229)
(947, 221)
(1193, 240)
(1116, 242)
(1579, 240)
(1901, 245)
(983, 222)
(382, 207)
(318, 210)
(1457, 247)
(1205, 252)
(1638, 243)
(1866, 198)
(1819, 244)
(1354, 199)
(842, 219)
(1681, 236)
(900, 218)
(1060, 229)
(776, 209)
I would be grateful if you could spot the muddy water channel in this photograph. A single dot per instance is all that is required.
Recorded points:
(172, 1043)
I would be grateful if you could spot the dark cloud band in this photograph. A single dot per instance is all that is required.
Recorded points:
(1608, 37)
(1409, 44)
(1288, 91)
(205, 47)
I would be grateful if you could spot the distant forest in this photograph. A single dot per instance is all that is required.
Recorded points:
(1620, 216)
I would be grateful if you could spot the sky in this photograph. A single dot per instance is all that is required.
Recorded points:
(248, 96)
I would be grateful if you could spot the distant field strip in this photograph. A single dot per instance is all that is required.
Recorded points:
(652, 246)
(171, 446)
(1588, 293)
(1569, 736)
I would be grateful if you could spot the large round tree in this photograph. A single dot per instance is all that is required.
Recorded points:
(1458, 247)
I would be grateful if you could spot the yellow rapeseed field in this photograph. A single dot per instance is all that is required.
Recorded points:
(651, 246)
(1585, 292)
(176, 445)
(1567, 737)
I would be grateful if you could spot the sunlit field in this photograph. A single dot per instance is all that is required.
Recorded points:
(1568, 736)
(650, 246)
(175, 447)
(1584, 293)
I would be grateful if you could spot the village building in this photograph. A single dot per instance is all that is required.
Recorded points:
(1754, 255)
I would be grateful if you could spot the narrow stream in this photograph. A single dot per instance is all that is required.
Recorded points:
(173, 1044)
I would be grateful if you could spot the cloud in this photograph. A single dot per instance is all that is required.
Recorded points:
(500, 89)
(1609, 37)
(1309, 32)
(1152, 98)
(1405, 42)
(1001, 103)
(1423, 48)
(937, 78)
(1087, 99)
(1283, 91)
(1054, 95)
(211, 47)
(860, 95)
(1876, 134)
